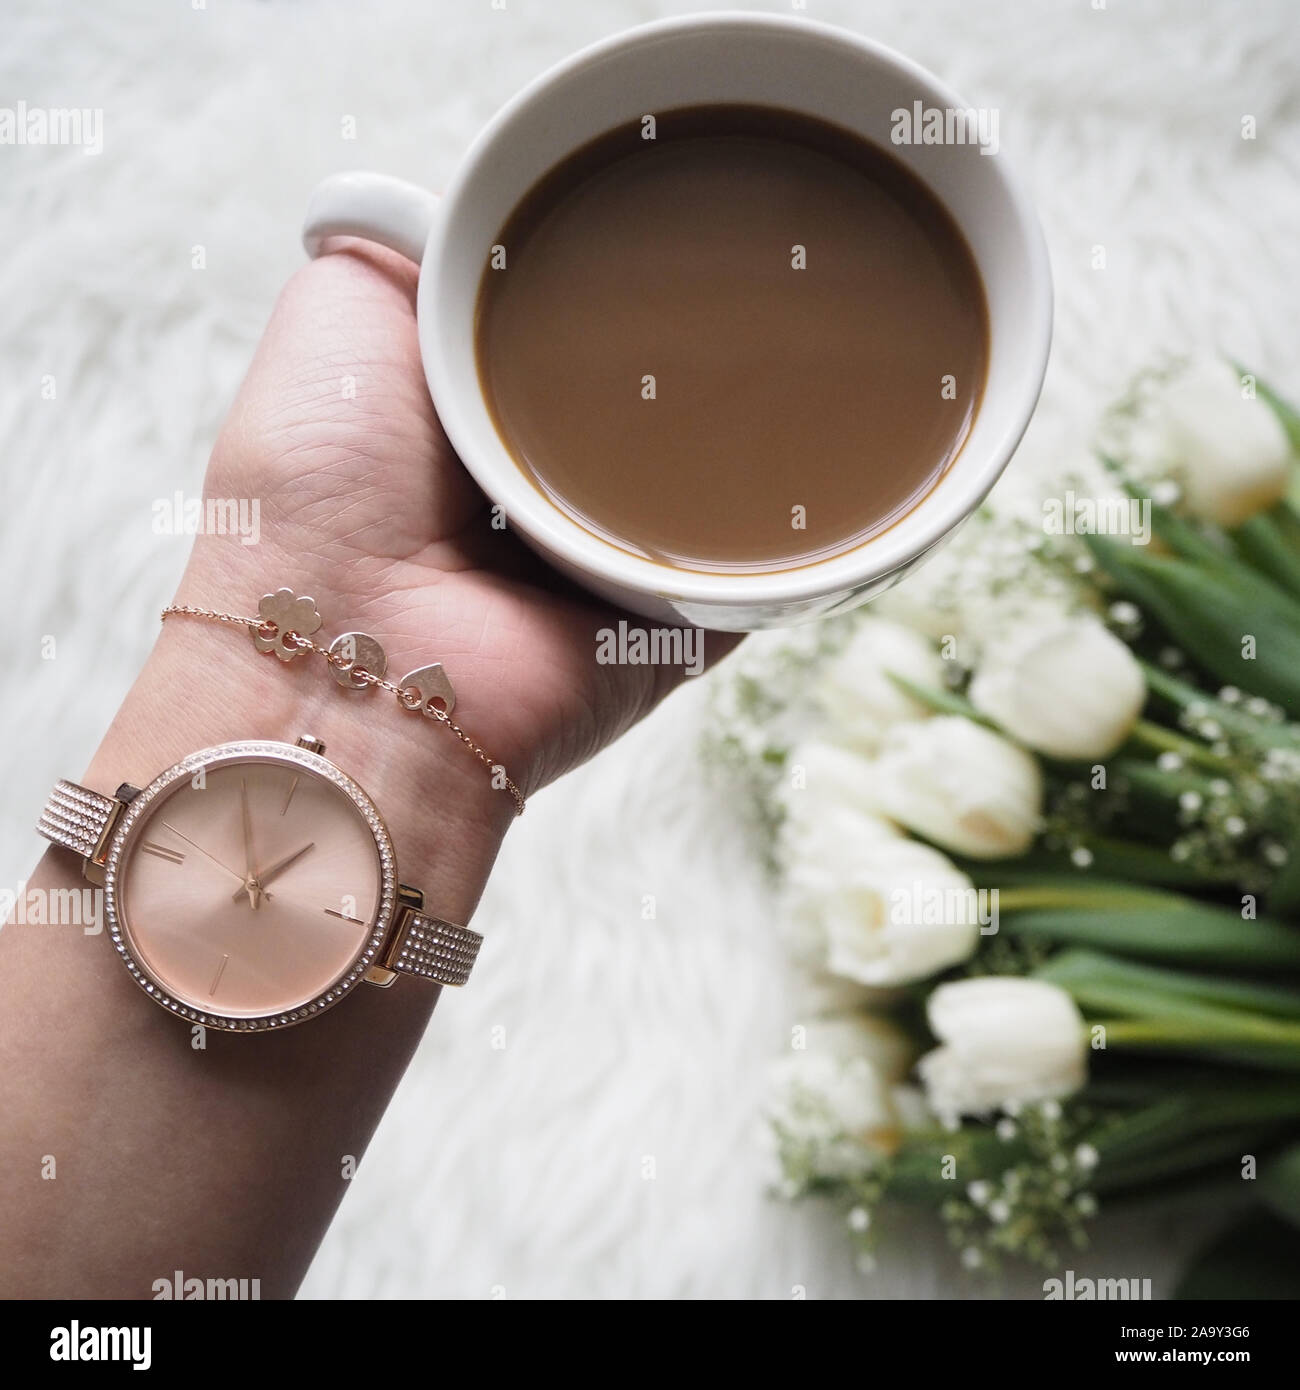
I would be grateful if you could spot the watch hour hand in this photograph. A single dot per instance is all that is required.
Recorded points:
(262, 879)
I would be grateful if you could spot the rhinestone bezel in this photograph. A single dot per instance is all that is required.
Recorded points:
(223, 755)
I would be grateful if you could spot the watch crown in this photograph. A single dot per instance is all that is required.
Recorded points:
(311, 743)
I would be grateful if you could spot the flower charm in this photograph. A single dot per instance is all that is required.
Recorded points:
(288, 612)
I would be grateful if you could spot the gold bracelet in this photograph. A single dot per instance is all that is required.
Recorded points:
(284, 626)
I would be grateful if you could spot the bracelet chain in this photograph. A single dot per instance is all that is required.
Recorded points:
(409, 697)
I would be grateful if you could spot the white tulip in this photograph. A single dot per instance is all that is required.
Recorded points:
(1071, 689)
(835, 1098)
(900, 912)
(858, 898)
(820, 775)
(1004, 1040)
(961, 785)
(1229, 453)
(855, 692)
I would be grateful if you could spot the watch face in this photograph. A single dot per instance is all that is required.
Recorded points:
(250, 886)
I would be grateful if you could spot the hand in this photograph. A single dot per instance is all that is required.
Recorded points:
(365, 507)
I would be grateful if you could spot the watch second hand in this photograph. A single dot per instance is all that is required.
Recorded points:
(263, 879)
(202, 851)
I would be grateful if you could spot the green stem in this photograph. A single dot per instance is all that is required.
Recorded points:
(1184, 696)
(1162, 740)
(1035, 897)
(1198, 1032)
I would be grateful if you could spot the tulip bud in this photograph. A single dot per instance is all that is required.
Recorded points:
(834, 1097)
(961, 785)
(855, 691)
(1230, 454)
(1003, 1040)
(858, 898)
(898, 912)
(1071, 690)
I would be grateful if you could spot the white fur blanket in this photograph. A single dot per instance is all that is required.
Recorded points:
(626, 1040)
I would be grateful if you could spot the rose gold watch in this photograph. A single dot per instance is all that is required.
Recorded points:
(254, 885)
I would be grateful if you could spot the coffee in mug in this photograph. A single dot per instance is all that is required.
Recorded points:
(732, 338)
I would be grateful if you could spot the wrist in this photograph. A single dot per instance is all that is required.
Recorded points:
(205, 684)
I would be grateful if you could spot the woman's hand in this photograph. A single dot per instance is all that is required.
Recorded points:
(365, 507)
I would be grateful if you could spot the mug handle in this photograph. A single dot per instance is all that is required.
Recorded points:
(390, 211)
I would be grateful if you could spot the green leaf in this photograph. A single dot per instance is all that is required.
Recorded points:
(1257, 1258)
(1109, 858)
(1168, 1011)
(1235, 1008)
(1262, 733)
(1263, 542)
(1278, 1183)
(940, 701)
(1209, 618)
(1155, 926)
(1287, 415)
(1206, 1155)
(1284, 895)
(1181, 536)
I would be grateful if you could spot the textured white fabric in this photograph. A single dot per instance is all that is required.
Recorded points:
(524, 1169)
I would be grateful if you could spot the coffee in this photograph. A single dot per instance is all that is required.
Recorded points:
(748, 343)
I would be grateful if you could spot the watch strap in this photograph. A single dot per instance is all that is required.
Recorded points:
(433, 949)
(76, 817)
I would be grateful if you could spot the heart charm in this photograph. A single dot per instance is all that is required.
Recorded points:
(432, 684)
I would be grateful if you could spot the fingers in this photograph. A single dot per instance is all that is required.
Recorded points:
(340, 349)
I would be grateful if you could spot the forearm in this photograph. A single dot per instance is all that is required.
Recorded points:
(226, 1160)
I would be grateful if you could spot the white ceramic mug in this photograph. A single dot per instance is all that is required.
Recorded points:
(712, 58)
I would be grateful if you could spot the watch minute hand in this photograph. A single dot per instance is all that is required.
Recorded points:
(251, 885)
(204, 852)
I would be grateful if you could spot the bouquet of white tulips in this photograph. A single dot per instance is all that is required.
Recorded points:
(1037, 844)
